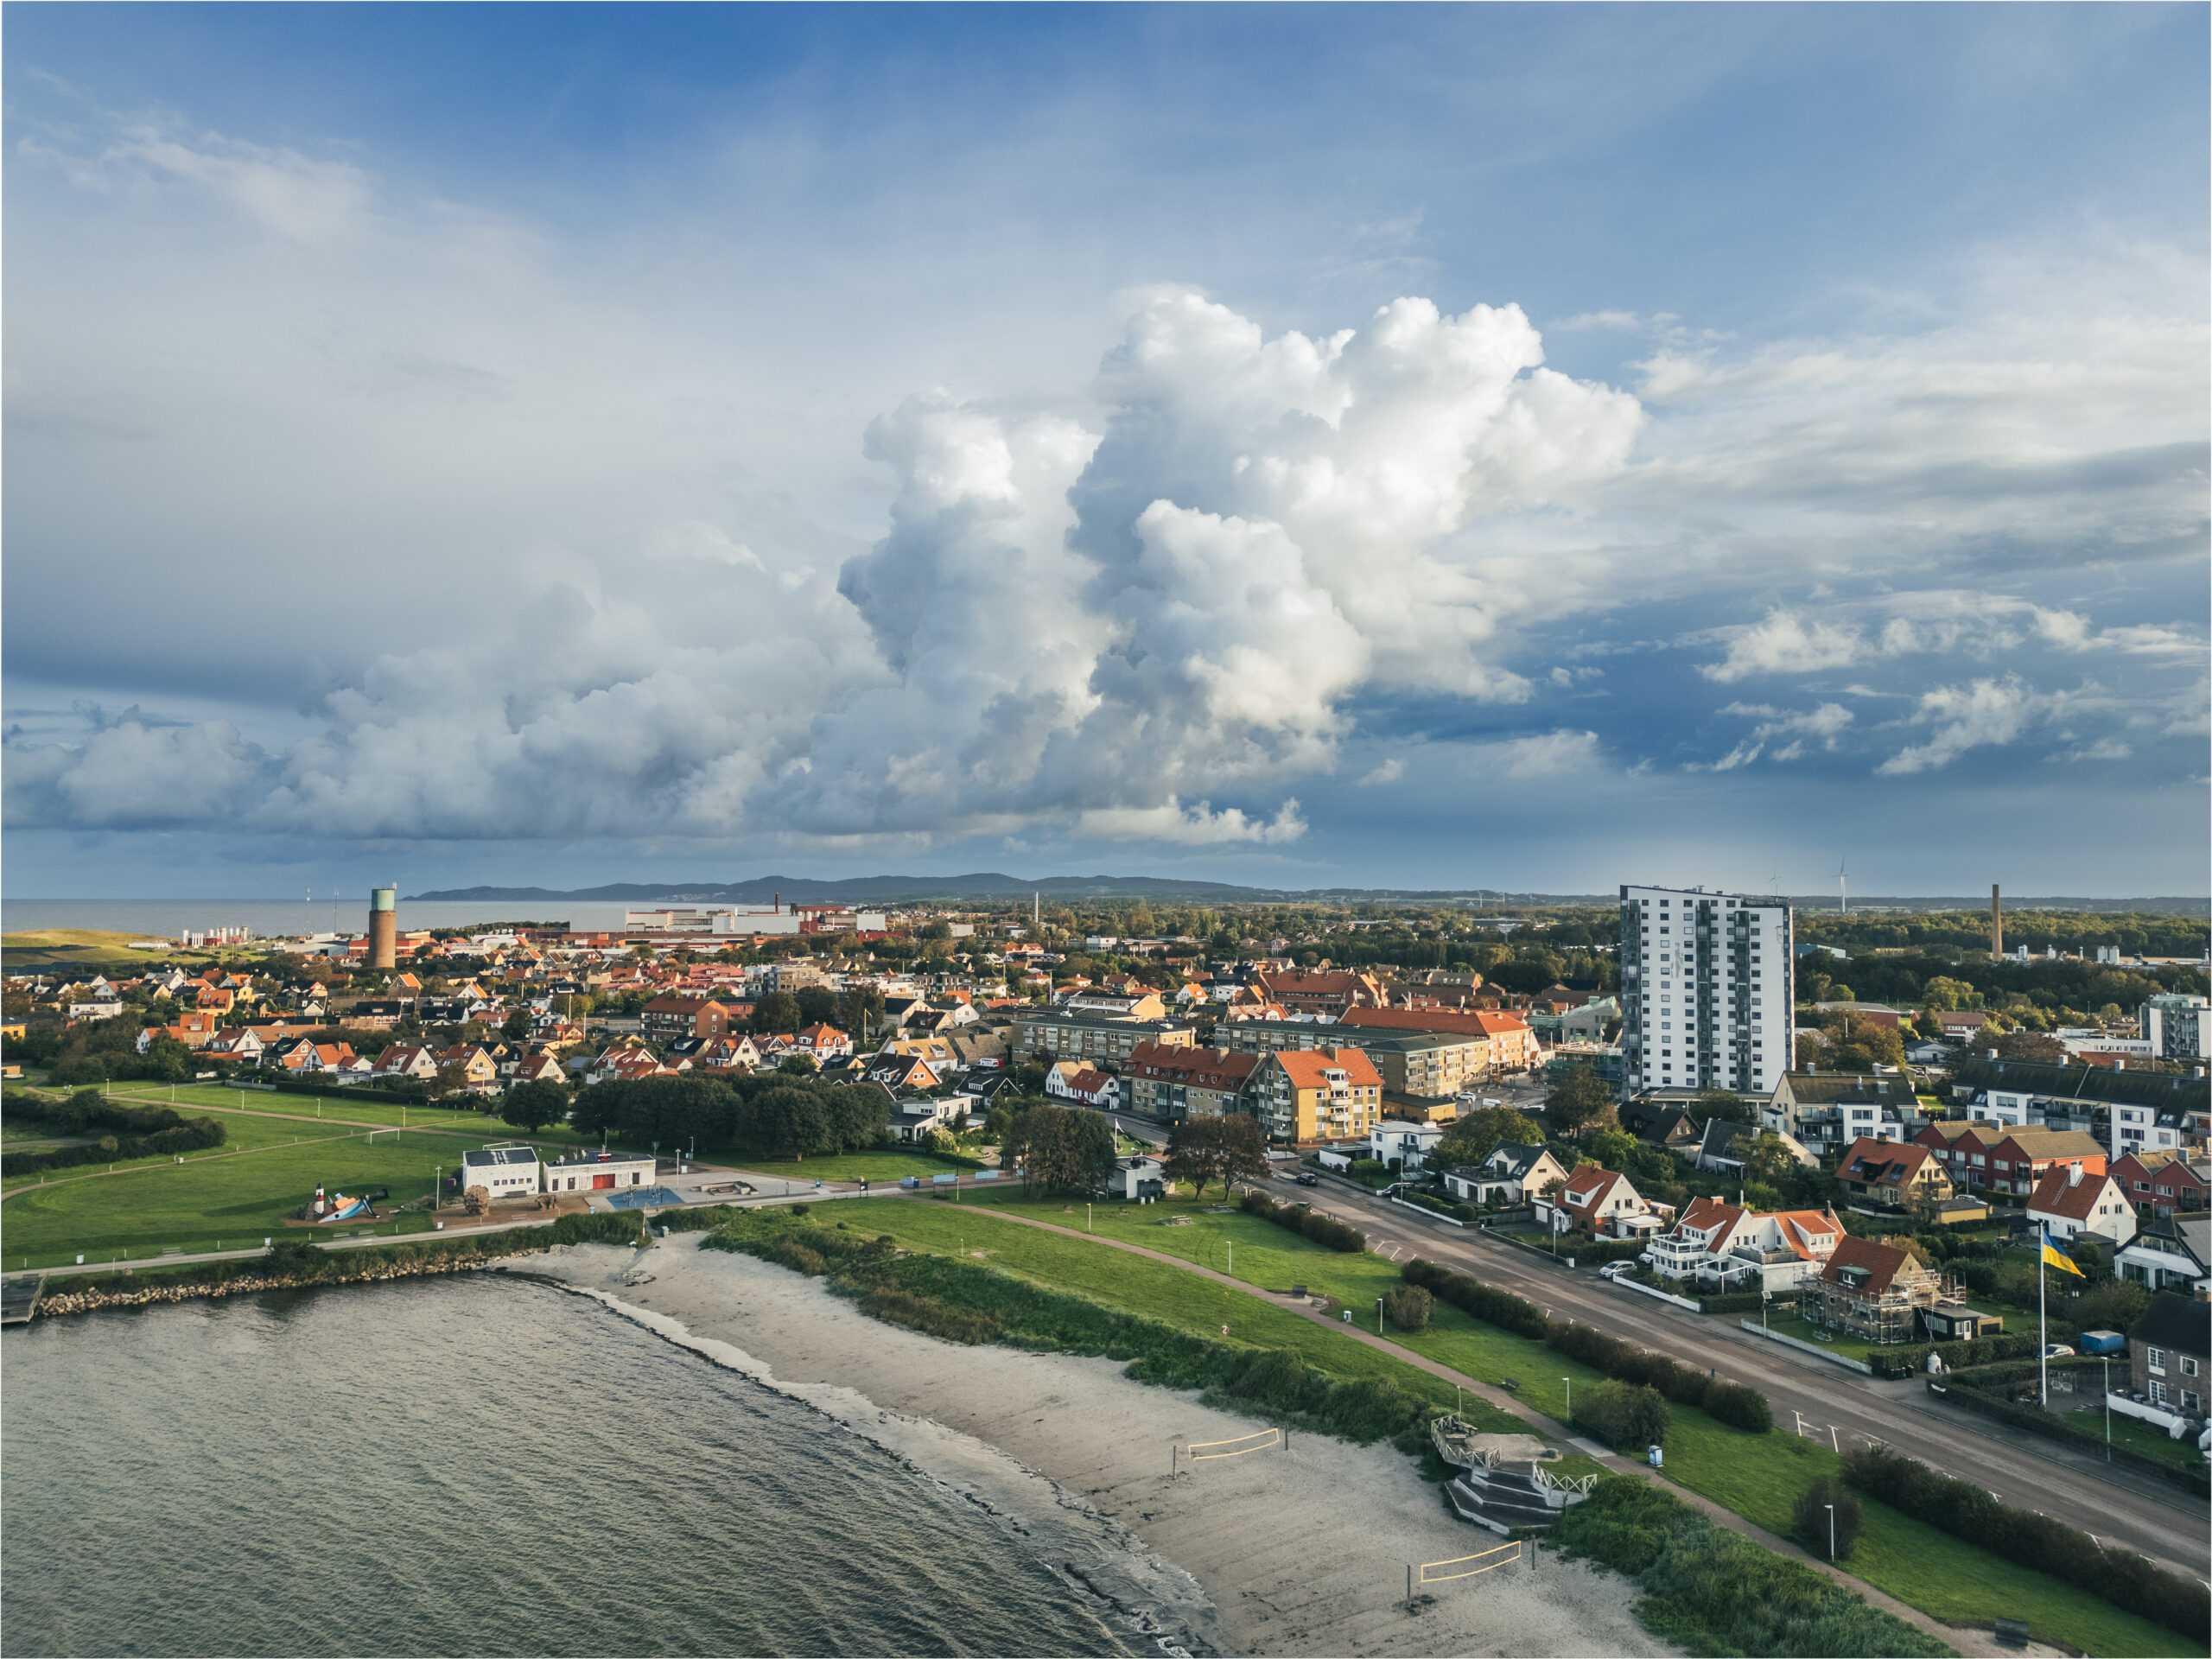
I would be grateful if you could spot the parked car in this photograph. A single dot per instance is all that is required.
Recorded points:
(2057, 1351)
(1307, 1178)
(1614, 1269)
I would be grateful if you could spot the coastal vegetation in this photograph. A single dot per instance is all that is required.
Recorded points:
(1709, 1591)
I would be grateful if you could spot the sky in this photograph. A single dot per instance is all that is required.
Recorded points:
(1530, 448)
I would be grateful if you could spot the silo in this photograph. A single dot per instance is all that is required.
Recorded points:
(384, 927)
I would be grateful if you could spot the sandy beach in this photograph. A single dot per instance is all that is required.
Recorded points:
(1301, 1550)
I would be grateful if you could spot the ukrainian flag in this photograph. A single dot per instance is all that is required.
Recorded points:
(2054, 1258)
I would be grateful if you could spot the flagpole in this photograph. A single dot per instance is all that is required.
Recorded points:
(2043, 1318)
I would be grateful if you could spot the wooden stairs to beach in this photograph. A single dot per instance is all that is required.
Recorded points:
(1511, 1497)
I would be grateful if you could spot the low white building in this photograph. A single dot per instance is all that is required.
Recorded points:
(508, 1171)
(1395, 1141)
(1511, 1174)
(1137, 1177)
(595, 1172)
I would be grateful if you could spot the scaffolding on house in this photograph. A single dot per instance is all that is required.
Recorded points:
(1847, 1304)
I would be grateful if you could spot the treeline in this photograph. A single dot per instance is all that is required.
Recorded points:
(965, 1302)
(767, 1117)
(2034, 1541)
(122, 1131)
(1736, 1404)
(1311, 1224)
(1946, 932)
(1706, 1590)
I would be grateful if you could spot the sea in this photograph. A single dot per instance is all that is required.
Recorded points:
(164, 918)
(485, 1465)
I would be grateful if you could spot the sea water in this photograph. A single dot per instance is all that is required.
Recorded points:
(477, 1466)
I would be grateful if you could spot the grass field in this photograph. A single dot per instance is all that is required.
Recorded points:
(1795, 1325)
(225, 1197)
(61, 947)
(2136, 1435)
(1758, 1477)
(889, 1165)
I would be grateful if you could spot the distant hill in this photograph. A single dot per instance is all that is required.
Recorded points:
(994, 885)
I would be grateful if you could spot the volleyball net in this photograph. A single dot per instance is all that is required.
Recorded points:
(1266, 1439)
(1490, 1560)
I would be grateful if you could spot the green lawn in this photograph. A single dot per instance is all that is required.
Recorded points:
(1797, 1325)
(225, 1197)
(1757, 1476)
(886, 1166)
(2137, 1435)
(356, 1105)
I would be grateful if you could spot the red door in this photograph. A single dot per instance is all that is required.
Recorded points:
(598, 1181)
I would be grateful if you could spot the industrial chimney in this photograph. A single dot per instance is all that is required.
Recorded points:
(1996, 922)
(384, 927)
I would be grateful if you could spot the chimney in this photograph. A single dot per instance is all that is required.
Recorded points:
(2073, 1174)
(1996, 922)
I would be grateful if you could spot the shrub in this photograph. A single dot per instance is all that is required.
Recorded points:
(1740, 1406)
(1470, 1296)
(1407, 1307)
(1622, 1414)
(1814, 1518)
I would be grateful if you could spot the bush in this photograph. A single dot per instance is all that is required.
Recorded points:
(2035, 1541)
(1740, 1406)
(1814, 1519)
(1622, 1414)
(1470, 1296)
(1310, 1223)
(1407, 1307)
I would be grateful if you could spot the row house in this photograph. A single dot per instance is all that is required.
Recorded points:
(1175, 1081)
(1601, 1202)
(2067, 1202)
(1983, 1156)
(1716, 1242)
(1056, 1034)
(1138, 1003)
(2131, 1110)
(1326, 993)
(2163, 1182)
(1317, 1095)
(2169, 1352)
(1511, 1174)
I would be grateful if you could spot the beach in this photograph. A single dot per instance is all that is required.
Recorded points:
(1301, 1549)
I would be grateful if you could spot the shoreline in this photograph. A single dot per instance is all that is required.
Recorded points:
(1300, 1550)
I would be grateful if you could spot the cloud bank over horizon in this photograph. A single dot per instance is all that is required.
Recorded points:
(353, 509)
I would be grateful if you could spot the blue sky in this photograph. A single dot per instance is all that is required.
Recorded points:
(1526, 448)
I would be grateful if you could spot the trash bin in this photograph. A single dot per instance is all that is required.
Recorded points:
(1658, 1457)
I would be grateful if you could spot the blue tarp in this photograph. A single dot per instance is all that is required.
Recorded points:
(639, 1198)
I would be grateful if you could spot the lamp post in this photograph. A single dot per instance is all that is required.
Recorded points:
(1378, 1316)
(2107, 1408)
(1830, 1508)
(1570, 1395)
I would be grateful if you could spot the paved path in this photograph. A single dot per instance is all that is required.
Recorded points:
(1967, 1641)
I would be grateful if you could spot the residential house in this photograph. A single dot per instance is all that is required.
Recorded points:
(1669, 1124)
(1826, 1111)
(1874, 1292)
(1407, 1145)
(2169, 1254)
(1072, 1080)
(407, 1060)
(721, 1054)
(2025, 1156)
(902, 1071)
(1175, 1081)
(1511, 1174)
(824, 1042)
(623, 1064)
(2163, 1183)
(1964, 1146)
(1907, 1175)
(1717, 1242)
(336, 1060)
(237, 1043)
(1135, 1004)
(1317, 1095)
(2069, 1202)
(915, 1116)
(1137, 1177)
(478, 1065)
(536, 1066)
(1600, 1202)
(2129, 1111)
(943, 1056)
(1325, 994)
(2170, 1349)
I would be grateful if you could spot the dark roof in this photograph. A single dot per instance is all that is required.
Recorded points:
(1719, 1139)
(2094, 1082)
(2181, 1323)
(1518, 1159)
(1654, 1120)
(1823, 1088)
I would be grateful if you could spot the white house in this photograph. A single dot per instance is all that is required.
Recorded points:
(1072, 1080)
(1394, 1141)
(1137, 1177)
(1716, 1240)
(505, 1172)
(1603, 1203)
(1511, 1174)
(2178, 1259)
(2069, 1203)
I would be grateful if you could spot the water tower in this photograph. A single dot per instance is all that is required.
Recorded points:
(384, 927)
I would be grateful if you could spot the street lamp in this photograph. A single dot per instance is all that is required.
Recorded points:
(1378, 1316)
(1570, 1395)
(1830, 1508)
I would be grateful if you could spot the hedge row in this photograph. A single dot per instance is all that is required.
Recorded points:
(1977, 1351)
(1321, 1229)
(1470, 1296)
(1623, 1415)
(1733, 1403)
(1463, 1213)
(1706, 1589)
(2036, 1541)
(133, 1132)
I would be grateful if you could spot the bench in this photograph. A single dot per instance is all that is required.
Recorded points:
(1510, 1384)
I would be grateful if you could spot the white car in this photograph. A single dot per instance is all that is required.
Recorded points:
(1615, 1269)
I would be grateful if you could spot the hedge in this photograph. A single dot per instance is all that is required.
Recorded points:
(2035, 1541)
(1622, 1414)
(1321, 1229)
(133, 1132)
(1976, 1350)
(1986, 1393)
(1470, 1296)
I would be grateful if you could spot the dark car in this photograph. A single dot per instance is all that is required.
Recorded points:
(1307, 1177)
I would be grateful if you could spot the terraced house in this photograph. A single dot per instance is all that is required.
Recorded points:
(1174, 1081)
(1317, 1095)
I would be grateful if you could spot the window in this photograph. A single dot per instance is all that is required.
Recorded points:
(2188, 1366)
(2157, 1394)
(2155, 1358)
(2192, 1403)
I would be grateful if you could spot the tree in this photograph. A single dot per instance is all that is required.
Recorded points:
(516, 1028)
(1615, 1148)
(1730, 1108)
(817, 1005)
(1475, 1136)
(1576, 1101)
(859, 1011)
(1201, 1150)
(451, 1078)
(797, 1065)
(776, 1012)
(531, 1106)
(1767, 1158)
(2030, 1045)
(1064, 1150)
(791, 1121)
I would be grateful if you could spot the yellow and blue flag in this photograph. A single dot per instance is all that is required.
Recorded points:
(2054, 1258)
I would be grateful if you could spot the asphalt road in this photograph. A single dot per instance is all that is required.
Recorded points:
(2147, 1514)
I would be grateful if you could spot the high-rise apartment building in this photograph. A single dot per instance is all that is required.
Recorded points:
(1706, 995)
